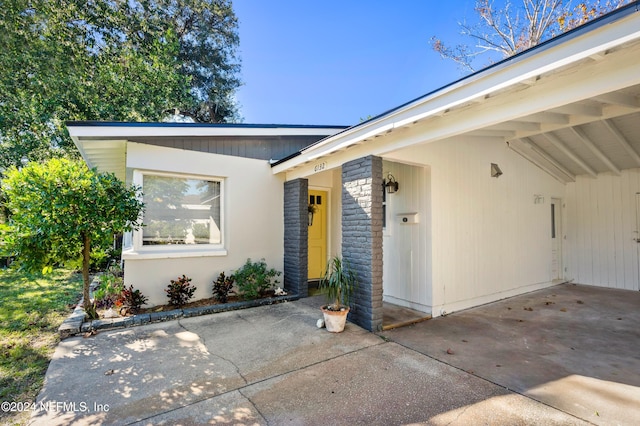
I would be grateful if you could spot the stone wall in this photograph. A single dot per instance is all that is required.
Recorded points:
(362, 237)
(296, 195)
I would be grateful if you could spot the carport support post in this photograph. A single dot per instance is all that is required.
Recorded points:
(362, 237)
(296, 230)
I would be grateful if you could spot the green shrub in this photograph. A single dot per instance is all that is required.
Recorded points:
(109, 288)
(180, 291)
(222, 287)
(254, 279)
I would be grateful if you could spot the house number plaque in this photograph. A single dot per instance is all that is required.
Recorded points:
(320, 167)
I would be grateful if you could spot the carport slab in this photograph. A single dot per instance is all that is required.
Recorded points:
(390, 384)
(572, 347)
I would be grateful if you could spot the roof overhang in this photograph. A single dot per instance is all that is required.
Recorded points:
(103, 144)
(554, 104)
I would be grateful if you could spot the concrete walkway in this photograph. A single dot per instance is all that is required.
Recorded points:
(271, 365)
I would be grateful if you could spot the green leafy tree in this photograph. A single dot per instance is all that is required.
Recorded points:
(500, 32)
(60, 210)
(207, 31)
(122, 60)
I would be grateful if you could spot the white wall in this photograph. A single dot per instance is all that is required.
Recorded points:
(252, 221)
(490, 240)
(407, 246)
(601, 213)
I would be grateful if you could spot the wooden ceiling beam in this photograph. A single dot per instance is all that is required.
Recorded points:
(539, 151)
(582, 136)
(579, 109)
(546, 118)
(619, 98)
(622, 140)
(555, 141)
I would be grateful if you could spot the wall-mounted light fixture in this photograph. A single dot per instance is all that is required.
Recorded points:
(311, 211)
(495, 170)
(391, 184)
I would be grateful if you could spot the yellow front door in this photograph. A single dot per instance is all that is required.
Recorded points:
(318, 235)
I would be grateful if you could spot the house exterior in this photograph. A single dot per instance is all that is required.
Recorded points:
(518, 177)
(211, 199)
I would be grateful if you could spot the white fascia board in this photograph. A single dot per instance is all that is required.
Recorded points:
(530, 65)
(83, 154)
(596, 77)
(124, 131)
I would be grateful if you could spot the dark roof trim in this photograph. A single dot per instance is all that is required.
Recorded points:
(288, 157)
(196, 125)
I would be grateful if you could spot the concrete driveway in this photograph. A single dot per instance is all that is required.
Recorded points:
(271, 365)
(575, 348)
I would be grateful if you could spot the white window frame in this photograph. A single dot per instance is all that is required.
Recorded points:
(136, 249)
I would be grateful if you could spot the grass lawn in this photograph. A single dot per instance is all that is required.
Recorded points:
(31, 309)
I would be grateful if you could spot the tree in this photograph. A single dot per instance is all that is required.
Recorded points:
(500, 33)
(208, 38)
(120, 60)
(60, 210)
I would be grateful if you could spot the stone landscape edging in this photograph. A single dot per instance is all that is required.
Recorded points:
(76, 324)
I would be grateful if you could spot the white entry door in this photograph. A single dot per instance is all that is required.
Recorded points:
(556, 239)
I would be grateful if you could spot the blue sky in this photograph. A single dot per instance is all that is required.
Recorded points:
(335, 62)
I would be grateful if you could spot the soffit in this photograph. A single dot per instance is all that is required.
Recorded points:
(105, 155)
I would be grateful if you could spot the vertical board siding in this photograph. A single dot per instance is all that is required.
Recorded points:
(407, 262)
(489, 239)
(617, 219)
(602, 250)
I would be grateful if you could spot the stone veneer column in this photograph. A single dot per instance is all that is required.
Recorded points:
(296, 230)
(362, 237)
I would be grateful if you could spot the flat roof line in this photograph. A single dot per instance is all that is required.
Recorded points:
(95, 123)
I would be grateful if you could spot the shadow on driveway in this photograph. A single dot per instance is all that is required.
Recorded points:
(272, 365)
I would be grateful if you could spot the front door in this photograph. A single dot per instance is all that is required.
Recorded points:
(318, 234)
(556, 239)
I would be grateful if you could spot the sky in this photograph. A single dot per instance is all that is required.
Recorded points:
(336, 62)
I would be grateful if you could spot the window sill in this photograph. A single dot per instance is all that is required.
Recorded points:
(183, 252)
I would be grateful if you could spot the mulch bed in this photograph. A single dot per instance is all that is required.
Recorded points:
(202, 302)
(196, 304)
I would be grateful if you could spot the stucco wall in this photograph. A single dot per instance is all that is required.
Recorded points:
(490, 238)
(252, 221)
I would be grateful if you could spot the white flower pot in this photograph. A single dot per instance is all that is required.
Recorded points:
(335, 320)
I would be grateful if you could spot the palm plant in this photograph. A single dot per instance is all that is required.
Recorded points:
(339, 280)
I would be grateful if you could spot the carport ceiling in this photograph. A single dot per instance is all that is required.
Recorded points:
(596, 135)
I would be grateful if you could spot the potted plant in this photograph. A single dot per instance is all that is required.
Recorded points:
(339, 281)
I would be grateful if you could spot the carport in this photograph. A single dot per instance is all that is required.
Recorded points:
(519, 177)
(571, 347)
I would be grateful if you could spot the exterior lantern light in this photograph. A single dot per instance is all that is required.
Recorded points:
(311, 212)
(391, 184)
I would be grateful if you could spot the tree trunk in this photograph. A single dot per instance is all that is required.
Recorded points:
(86, 258)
